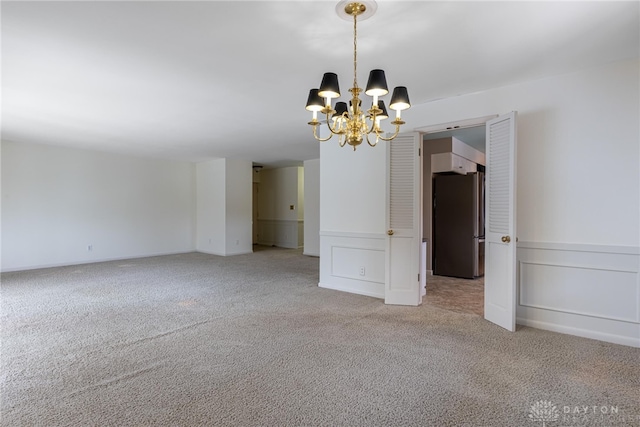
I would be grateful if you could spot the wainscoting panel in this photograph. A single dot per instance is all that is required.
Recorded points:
(353, 262)
(281, 233)
(586, 290)
(357, 264)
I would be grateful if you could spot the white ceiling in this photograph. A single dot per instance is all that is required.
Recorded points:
(195, 80)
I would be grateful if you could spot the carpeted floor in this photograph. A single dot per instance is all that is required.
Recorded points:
(251, 340)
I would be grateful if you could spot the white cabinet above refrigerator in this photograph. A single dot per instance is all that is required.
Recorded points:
(450, 162)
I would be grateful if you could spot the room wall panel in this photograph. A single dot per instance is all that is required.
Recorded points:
(281, 233)
(353, 262)
(63, 206)
(587, 290)
(281, 207)
(312, 207)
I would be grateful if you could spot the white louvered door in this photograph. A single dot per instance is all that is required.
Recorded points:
(402, 285)
(500, 227)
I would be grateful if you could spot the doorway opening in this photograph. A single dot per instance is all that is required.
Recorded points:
(404, 257)
(453, 218)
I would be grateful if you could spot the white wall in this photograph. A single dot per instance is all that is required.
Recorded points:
(238, 199)
(210, 207)
(58, 201)
(352, 188)
(278, 191)
(224, 197)
(301, 198)
(578, 192)
(352, 217)
(278, 224)
(578, 151)
(312, 207)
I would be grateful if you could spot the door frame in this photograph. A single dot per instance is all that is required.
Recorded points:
(444, 127)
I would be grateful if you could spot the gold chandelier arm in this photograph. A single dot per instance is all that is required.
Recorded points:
(316, 136)
(369, 142)
(373, 125)
(333, 130)
(391, 137)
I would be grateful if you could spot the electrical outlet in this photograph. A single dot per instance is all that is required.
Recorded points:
(291, 207)
(362, 271)
(89, 248)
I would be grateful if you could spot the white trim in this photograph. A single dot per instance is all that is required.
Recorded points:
(352, 290)
(579, 247)
(225, 254)
(93, 261)
(239, 253)
(352, 235)
(459, 124)
(579, 332)
(570, 265)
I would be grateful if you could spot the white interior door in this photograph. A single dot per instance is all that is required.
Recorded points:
(500, 228)
(402, 285)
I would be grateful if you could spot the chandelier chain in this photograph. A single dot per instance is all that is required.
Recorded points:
(350, 119)
(355, 51)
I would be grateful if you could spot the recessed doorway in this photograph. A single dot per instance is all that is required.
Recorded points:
(459, 294)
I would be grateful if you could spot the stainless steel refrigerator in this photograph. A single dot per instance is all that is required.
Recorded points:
(458, 225)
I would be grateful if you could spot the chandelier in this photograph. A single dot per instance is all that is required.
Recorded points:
(351, 123)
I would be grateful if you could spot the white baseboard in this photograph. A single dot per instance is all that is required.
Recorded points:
(92, 261)
(579, 332)
(353, 290)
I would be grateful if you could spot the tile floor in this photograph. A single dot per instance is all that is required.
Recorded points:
(460, 295)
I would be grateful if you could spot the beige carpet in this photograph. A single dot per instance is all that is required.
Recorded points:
(251, 340)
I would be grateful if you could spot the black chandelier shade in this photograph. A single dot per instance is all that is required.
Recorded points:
(377, 83)
(341, 108)
(376, 86)
(329, 87)
(314, 102)
(384, 114)
(400, 99)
